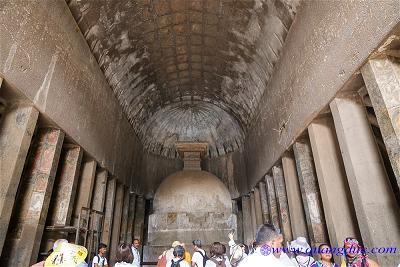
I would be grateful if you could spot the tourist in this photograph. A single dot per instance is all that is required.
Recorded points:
(179, 258)
(266, 236)
(100, 260)
(302, 251)
(124, 257)
(218, 257)
(55, 245)
(279, 253)
(67, 255)
(168, 254)
(199, 257)
(326, 258)
(188, 258)
(354, 256)
(237, 252)
(135, 251)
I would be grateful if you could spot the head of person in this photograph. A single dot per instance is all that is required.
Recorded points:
(300, 246)
(136, 243)
(179, 252)
(268, 235)
(102, 249)
(183, 245)
(325, 252)
(124, 253)
(196, 244)
(351, 247)
(217, 250)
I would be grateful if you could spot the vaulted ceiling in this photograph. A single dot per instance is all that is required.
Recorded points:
(187, 70)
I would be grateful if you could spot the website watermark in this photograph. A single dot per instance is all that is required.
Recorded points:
(338, 251)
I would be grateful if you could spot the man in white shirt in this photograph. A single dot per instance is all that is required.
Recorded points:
(135, 251)
(279, 253)
(267, 238)
(199, 255)
(100, 259)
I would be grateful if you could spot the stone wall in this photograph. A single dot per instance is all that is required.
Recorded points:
(209, 227)
(50, 64)
(316, 62)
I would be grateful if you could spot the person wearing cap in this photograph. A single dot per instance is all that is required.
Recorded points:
(67, 255)
(355, 256)
(57, 243)
(267, 237)
(302, 251)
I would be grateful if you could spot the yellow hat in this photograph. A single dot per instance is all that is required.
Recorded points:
(176, 243)
(66, 255)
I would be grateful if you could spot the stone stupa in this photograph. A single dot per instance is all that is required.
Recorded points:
(191, 204)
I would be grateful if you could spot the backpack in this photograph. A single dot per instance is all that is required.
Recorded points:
(219, 263)
(176, 263)
(91, 262)
(162, 262)
(205, 258)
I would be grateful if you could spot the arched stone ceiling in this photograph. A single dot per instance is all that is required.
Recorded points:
(187, 70)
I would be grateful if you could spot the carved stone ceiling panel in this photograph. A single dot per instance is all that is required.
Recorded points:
(187, 70)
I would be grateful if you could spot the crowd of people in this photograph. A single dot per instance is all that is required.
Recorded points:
(266, 251)
(65, 254)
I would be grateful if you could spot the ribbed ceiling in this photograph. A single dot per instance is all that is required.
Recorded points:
(187, 70)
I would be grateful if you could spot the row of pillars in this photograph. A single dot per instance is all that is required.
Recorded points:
(332, 183)
(45, 181)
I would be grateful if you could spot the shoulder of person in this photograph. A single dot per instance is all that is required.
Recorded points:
(39, 264)
(96, 259)
(162, 254)
(123, 264)
(372, 263)
(231, 243)
(251, 260)
(196, 253)
(227, 262)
